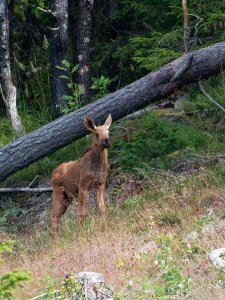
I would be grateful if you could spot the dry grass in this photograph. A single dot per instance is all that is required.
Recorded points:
(124, 244)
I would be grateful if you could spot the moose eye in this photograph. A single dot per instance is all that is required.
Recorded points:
(97, 135)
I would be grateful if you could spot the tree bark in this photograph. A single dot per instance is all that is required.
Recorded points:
(7, 89)
(149, 89)
(58, 53)
(82, 47)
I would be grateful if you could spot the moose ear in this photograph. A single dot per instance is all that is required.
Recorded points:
(89, 124)
(108, 121)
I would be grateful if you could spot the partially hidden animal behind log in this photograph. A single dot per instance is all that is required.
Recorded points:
(78, 177)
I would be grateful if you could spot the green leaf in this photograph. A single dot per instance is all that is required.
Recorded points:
(74, 69)
(64, 77)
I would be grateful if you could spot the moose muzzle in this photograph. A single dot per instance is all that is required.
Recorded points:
(105, 143)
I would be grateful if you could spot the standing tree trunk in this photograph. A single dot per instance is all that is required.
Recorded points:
(58, 53)
(7, 89)
(186, 26)
(82, 47)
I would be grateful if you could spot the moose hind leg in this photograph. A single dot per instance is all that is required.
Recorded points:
(60, 205)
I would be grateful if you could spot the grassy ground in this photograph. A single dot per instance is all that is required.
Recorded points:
(152, 243)
(165, 212)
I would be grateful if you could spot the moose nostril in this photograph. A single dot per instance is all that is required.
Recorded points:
(105, 143)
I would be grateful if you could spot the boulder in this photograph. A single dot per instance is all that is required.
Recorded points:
(217, 257)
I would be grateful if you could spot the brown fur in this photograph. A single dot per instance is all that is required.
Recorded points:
(78, 177)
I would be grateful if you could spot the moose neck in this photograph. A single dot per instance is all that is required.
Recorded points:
(100, 155)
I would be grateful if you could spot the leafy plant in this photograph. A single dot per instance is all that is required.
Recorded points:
(202, 221)
(100, 86)
(73, 100)
(12, 280)
(7, 214)
(174, 282)
(70, 288)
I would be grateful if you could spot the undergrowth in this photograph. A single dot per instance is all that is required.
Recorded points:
(148, 198)
(158, 142)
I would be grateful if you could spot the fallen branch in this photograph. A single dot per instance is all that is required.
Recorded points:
(25, 190)
(33, 182)
(184, 69)
(209, 97)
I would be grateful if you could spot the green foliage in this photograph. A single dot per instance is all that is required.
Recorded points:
(12, 280)
(100, 86)
(73, 100)
(131, 203)
(6, 214)
(171, 283)
(149, 53)
(196, 248)
(174, 282)
(202, 221)
(156, 141)
(70, 288)
(215, 86)
(147, 40)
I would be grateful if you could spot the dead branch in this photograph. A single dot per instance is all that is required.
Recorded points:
(25, 190)
(33, 182)
(47, 11)
(209, 97)
(184, 69)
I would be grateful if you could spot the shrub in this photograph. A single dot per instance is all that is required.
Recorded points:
(10, 281)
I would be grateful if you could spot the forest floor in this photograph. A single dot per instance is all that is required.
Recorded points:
(161, 222)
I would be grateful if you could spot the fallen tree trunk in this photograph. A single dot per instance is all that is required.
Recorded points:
(154, 86)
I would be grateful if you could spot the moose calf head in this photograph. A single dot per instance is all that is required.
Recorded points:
(101, 133)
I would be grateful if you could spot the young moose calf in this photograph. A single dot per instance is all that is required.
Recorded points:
(78, 177)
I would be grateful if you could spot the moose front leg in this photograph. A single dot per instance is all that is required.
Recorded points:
(82, 198)
(101, 198)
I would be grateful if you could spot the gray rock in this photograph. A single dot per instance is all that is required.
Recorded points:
(94, 286)
(181, 102)
(217, 257)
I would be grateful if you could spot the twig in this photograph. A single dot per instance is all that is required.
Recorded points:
(209, 97)
(184, 69)
(25, 190)
(33, 182)
(47, 11)
(44, 295)
(53, 29)
(196, 26)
